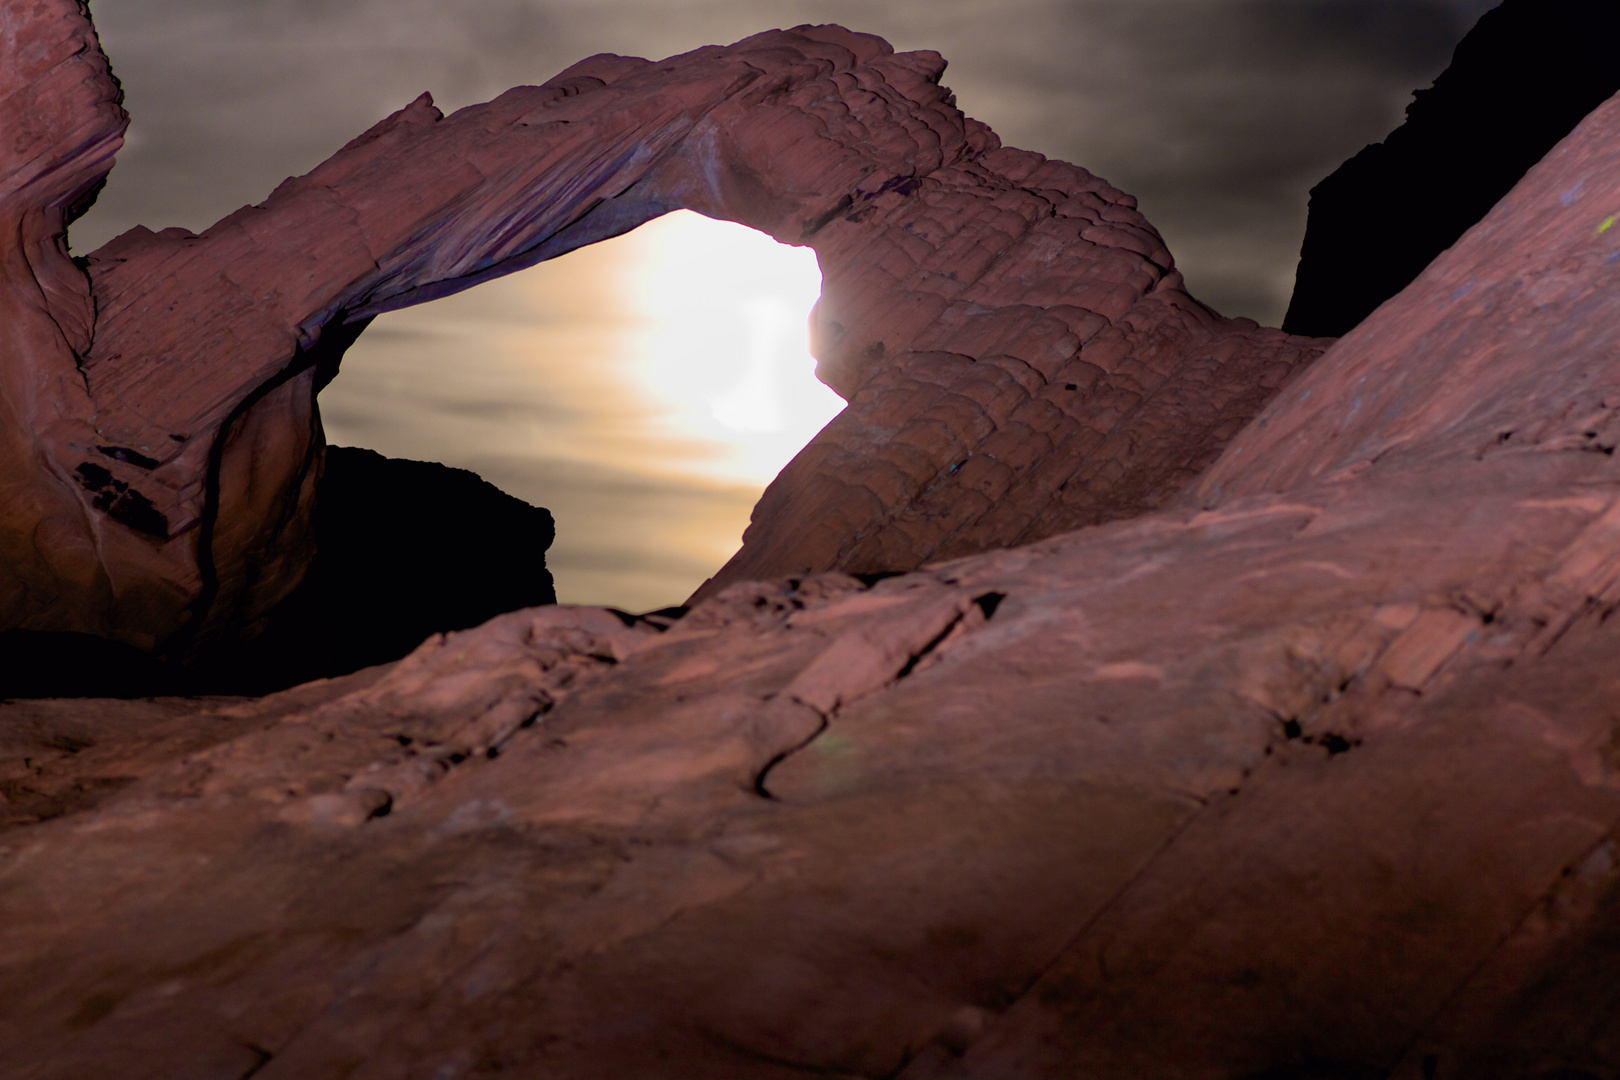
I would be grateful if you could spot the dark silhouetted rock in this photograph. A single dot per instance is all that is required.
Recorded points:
(1519, 82)
(405, 549)
(41, 664)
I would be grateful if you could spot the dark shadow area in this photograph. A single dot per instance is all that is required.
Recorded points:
(1520, 81)
(1322, 1070)
(406, 549)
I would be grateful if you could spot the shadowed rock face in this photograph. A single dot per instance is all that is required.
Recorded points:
(404, 550)
(1018, 351)
(1521, 79)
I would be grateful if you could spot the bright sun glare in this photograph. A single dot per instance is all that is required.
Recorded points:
(644, 389)
(722, 313)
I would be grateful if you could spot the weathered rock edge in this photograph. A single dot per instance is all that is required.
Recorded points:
(1018, 350)
(1314, 774)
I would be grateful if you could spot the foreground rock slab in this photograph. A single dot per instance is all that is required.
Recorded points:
(1314, 773)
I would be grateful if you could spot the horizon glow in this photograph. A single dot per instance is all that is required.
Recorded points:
(644, 389)
(723, 342)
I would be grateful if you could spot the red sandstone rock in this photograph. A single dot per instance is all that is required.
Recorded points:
(1016, 345)
(1520, 81)
(1312, 774)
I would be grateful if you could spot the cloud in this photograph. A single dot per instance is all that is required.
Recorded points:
(1218, 114)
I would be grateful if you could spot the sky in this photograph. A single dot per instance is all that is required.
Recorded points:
(643, 389)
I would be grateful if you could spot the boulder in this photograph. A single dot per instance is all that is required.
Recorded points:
(404, 550)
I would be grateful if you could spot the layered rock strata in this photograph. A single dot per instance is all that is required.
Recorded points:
(1018, 350)
(1314, 773)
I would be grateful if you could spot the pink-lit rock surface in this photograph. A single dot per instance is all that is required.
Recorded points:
(1018, 349)
(1312, 773)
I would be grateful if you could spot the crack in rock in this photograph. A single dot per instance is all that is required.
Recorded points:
(858, 663)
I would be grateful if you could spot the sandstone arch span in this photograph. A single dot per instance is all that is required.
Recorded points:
(1020, 355)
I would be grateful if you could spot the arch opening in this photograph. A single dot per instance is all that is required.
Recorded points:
(645, 389)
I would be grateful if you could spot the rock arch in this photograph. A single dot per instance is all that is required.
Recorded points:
(1018, 351)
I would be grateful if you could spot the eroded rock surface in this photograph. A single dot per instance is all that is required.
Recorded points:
(1018, 350)
(1313, 773)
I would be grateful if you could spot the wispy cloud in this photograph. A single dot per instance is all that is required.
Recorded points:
(1218, 114)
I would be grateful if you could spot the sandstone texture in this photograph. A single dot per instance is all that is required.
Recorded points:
(1519, 81)
(1018, 350)
(1312, 773)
